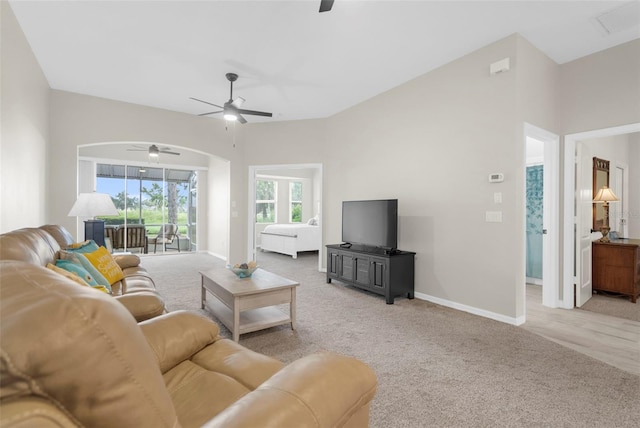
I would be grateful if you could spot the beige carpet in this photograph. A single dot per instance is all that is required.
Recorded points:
(436, 367)
(614, 305)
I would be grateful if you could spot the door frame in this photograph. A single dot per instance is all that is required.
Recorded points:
(551, 217)
(621, 181)
(251, 226)
(568, 277)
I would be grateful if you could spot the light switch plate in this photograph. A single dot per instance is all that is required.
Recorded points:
(493, 216)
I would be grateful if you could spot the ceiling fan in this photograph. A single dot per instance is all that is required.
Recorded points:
(326, 5)
(231, 109)
(154, 151)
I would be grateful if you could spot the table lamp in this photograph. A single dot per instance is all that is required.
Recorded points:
(91, 205)
(605, 195)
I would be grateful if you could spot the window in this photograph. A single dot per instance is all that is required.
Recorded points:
(266, 201)
(295, 201)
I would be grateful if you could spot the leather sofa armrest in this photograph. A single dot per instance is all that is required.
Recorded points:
(320, 390)
(143, 305)
(127, 260)
(33, 412)
(176, 336)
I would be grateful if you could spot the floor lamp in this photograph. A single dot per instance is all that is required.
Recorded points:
(605, 195)
(91, 205)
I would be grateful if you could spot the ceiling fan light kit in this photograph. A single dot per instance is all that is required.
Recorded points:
(231, 109)
(154, 151)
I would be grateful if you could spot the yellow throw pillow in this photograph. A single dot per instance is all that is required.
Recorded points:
(103, 261)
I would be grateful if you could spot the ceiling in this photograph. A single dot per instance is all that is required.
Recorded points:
(292, 60)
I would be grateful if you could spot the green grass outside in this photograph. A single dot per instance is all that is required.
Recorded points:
(152, 219)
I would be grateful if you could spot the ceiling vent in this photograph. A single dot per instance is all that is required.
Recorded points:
(619, 19)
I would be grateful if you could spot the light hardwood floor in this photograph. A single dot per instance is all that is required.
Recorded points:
(615, 341)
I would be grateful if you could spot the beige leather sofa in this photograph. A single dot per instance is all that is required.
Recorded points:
(72, 356)
(41, 245)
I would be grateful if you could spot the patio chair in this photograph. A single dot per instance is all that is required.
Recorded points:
(167, 234)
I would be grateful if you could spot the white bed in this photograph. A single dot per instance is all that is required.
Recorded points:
(290, 239)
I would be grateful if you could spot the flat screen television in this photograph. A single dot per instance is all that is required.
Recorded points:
(371, 223)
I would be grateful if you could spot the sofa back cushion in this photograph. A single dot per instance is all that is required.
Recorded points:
(59, 233)
(79, 349)
(31, 245)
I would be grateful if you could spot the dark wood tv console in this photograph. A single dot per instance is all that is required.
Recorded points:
(390, 275)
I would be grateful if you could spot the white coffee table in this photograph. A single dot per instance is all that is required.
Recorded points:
(246, 304)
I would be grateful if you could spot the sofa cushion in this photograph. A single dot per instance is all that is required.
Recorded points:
(59, 233)
(79, 349)
(31, 245)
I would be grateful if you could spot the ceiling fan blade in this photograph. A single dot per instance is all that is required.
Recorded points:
(255, 113)
(169, 153)
(137, 150)
(326, 5)
(238, 102)
(206, 102)
(242, 119)
(211, 112)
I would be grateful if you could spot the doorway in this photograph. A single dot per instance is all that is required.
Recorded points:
(285, 177)
(572, 271)
(542, 148)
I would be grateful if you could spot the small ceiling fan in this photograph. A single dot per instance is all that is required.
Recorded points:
(326, 5)
(231, 109)
(154, 151)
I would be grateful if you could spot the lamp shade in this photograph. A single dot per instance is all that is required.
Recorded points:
(605, 195)
(93, 204)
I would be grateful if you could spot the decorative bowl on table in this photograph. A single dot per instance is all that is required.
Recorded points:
(244, 270)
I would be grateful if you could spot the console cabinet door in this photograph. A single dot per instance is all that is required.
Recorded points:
(362, 271)
(332, 264)
(347, 262)
(378, 273)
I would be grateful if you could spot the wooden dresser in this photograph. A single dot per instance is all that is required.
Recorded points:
(616, 267)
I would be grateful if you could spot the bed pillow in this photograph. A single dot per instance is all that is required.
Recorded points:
(313, 221)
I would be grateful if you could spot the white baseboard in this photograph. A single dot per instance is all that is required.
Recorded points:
(217, 256)
(471, 309)
(534, 281)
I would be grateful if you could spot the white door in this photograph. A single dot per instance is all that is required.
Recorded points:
(583, 223)
(617, 210)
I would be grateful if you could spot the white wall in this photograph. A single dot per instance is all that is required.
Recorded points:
(601, 90)
(24, 135)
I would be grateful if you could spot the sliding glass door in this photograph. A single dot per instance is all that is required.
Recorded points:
(148, 198)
